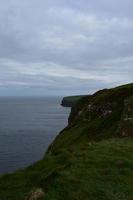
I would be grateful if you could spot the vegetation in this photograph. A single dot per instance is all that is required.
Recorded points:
(71, 100)
(91, 159)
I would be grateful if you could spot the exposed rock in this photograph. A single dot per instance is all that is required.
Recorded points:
(80, 112)
(126, 123)
(36, 194)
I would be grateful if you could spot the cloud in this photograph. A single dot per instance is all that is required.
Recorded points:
(63, 45)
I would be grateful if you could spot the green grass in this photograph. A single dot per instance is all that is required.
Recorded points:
(89, 160)
(94, 170)
(102, 170)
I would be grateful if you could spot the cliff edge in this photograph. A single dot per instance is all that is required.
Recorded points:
(71, 101)
(91, 159)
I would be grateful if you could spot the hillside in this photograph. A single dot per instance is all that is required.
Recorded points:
(91, 159)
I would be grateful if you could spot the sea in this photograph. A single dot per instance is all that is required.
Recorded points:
(27, 127)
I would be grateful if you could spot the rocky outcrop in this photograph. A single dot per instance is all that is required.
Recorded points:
(103, 104)
(67, 103)
(126, 123)
(36, 194)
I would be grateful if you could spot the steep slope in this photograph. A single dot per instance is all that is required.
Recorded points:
(91, 159)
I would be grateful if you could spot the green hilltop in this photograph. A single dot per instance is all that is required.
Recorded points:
(91, 159)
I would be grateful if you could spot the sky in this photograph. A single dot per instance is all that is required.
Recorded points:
(64, 47)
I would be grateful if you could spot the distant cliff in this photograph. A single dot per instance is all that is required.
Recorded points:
(70, 101)
(91, 159)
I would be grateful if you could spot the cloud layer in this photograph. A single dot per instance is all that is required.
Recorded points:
(64, 47)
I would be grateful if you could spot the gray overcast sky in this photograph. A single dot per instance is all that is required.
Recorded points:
(64, 47)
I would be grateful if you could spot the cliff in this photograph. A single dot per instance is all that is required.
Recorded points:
(70, 101)
(91, 159)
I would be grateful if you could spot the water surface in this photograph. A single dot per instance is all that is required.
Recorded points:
(27, 127)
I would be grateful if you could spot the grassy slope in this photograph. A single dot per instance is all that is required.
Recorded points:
(89, 160)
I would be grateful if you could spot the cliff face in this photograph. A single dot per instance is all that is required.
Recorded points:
(106, 114)
(70, 101)
(92, 158)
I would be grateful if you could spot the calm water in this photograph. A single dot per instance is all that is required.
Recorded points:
(27, 127)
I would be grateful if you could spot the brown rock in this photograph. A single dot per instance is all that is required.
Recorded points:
(36, 194)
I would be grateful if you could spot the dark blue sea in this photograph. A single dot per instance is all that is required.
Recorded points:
(27, 127)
